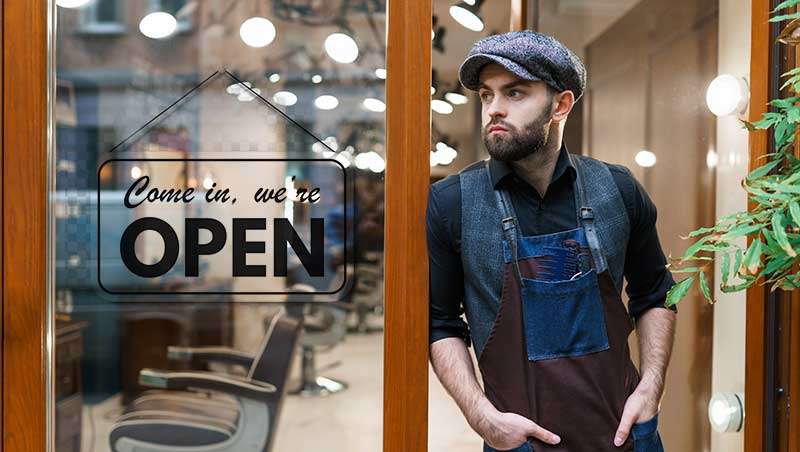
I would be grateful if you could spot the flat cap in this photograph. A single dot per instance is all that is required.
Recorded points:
(528, 55)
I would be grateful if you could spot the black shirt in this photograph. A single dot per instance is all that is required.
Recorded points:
(648, 279)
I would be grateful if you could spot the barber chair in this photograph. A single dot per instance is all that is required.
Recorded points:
(196, 411)
(324, 326)
(367, 292)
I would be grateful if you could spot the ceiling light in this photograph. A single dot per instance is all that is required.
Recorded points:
(456, 98)
(72, 3)
(326, 102)
(285, 98)
(275, 78)
(316, 78)
(136, 172)
(247, 95)
(467, 15)
(237, 88)
(341, 48)
(257, 32)
(380, 73)
(208, 182)
(441, 107)
(158, 25)
(433, 90)
(727, 95)
(373, 104)
(645, 158)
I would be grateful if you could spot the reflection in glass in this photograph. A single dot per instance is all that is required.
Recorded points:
(178, 87)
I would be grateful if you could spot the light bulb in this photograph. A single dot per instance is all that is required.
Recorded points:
(380, 73)
(316, 78)
(136, 172)
(275, 78)
(456, 98)
(727, 95)
(341, 48)
(326, 102)
(72, 3)
(257, 32)
(726, 412)
(208, 182)
(645, 158)
(373, 104)
(441, 107)
(158, 25)
(466, 18)
(285, 98)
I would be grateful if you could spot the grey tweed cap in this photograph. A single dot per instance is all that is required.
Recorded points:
(528, 55)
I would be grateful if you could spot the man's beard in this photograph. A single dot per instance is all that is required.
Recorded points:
(517, 144)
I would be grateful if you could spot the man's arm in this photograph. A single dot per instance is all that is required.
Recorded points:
(503, 431)
(656, 331)
(648, 282)
(449, 335)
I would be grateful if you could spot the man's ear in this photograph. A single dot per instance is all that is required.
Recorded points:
(562, 105)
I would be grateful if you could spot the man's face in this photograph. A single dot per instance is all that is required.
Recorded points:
(515, 113)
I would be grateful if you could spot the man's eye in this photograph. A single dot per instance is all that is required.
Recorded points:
(514, 93)
(485, 96)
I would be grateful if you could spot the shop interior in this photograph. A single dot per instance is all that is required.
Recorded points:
(191, 81)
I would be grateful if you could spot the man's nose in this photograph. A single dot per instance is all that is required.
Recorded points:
(496, 108)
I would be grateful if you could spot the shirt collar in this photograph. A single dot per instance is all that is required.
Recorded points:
(501, 172)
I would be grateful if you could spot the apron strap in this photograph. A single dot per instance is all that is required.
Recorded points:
(509, 222)
(586, 218)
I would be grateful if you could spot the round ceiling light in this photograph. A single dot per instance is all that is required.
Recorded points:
(380, 73)
(285, 98)
(72, 3)
(373, 104)
(727, 95)
(158, 25)
(645, 158)
(456, 98)
(466, 17)
(341, 48)
(326, 102)
(257, 32)
(441, 107)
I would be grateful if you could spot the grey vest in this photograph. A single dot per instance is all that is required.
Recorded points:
(482, 239)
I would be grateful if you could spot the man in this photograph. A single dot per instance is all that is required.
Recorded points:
(532, 245)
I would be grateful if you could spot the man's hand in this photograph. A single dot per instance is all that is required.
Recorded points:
(641, 406)
(506, 431)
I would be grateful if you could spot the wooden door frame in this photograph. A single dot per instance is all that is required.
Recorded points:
(24, 220)
(26, 415)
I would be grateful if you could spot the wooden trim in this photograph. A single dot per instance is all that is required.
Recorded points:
(408, 122)
(755, 364)
(524, 15)
(24, 207)
(519, 15)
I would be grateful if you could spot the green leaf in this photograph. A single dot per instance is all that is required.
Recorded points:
(780, 234)
(741, 231)
(704, 287)
(694, 248)
(794, 211)
(785, 17)
(793, 115)
(677, 292)
(685, 270)
(785, 4)
(737, 287)
(726, 263)
(785, 102)
(700, 231)
(737, 262)
(763, 170)
(752, 258)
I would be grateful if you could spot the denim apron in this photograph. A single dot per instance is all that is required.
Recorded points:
(557, 352)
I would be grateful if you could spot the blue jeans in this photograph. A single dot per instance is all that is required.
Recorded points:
(646, 437)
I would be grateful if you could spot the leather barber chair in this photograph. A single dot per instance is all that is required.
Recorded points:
(197, 411)
(324, 326)
(367, 293)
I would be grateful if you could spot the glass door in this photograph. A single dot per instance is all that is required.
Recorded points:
(218, 212)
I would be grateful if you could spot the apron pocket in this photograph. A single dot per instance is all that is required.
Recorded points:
(563, 318)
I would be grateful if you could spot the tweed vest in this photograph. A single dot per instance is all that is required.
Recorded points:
(482, 239)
